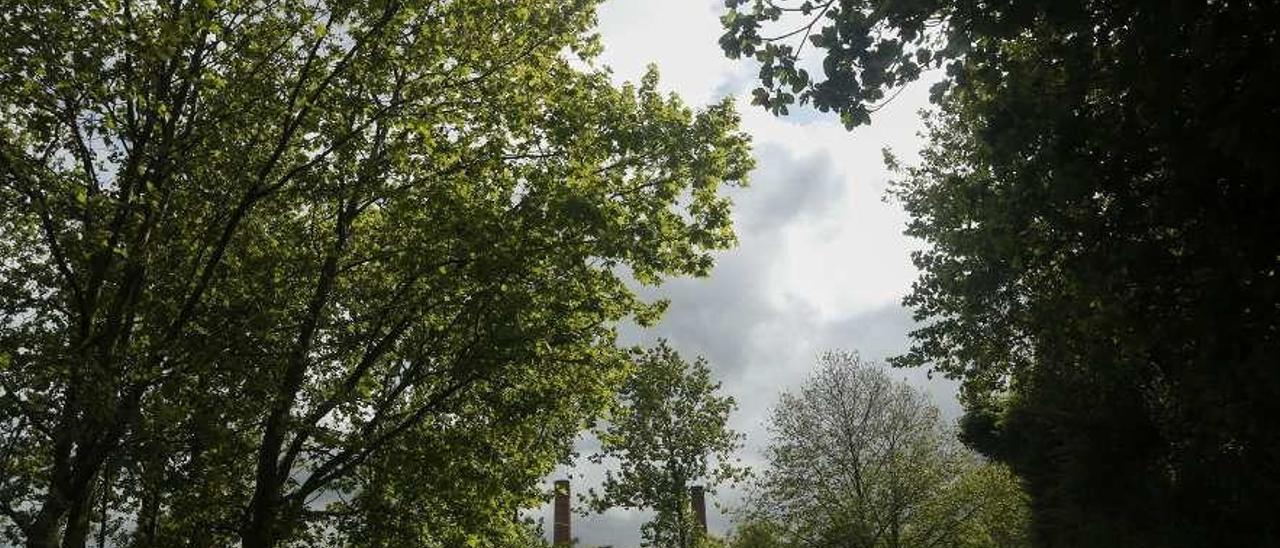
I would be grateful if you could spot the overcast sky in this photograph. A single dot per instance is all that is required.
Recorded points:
(821, 262)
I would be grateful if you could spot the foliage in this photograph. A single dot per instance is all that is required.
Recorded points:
(280, 272)
(1098, 201)
(869, 48)
(858, 459)
(669, 431)
(757, 533)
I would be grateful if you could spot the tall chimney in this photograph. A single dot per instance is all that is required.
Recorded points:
(561, 534)
(699, 501)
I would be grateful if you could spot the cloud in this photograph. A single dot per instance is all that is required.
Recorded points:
(736, 313)
(786, 187)
(761, 334)
(821, 263)
(680, 36)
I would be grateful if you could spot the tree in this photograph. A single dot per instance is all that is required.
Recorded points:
(860, 460)
(1098, 206)
(756, 533)
(670, 430)
(268, 268)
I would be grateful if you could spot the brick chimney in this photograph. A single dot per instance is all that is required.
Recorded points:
(699, 501)
(561, 533)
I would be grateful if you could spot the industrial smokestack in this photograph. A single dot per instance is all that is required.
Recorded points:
(561, 533)
(699, 501)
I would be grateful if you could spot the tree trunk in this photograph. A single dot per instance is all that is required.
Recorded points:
(259, 533)
(64, 497)
(44, 529)
(106, 506)
(77, 530)
(682, 531)
(264, 525)
(152, 478)
(148, 517)
(270, 522)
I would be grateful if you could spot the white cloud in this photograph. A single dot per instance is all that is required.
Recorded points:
(678, 35)
(822, 262)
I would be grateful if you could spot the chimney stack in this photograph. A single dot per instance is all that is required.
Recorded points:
(699, 500)
(561, 534)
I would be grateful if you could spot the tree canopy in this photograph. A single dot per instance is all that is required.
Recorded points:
(858, 459)
(669, 432)
(283, 272)
(1098, 202)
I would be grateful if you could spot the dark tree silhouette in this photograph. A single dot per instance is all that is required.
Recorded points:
(1099, 202)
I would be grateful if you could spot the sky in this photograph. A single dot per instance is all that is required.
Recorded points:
(821, 263)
